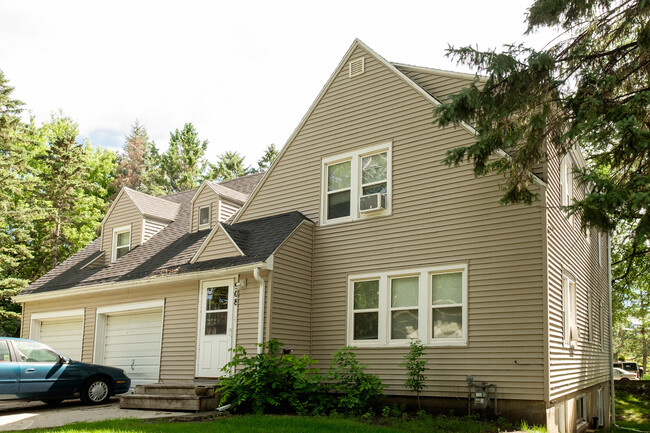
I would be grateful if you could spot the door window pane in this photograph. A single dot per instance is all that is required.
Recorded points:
(404, 324)
(338, 204)
(29, 351)
(217, 299)
(366, 295)
(215, 323)
(448, 322)
(404, 292)
(366, 326)
(338, 176)
(447, 288)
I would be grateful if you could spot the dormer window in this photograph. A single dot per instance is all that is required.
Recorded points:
(121, 242)
(204, 217)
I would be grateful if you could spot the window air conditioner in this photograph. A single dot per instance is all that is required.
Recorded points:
(372, 202)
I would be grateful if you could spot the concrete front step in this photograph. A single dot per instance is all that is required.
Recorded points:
(171, 396)
(175, 389)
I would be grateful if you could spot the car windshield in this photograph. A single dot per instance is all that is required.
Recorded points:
(31, 351)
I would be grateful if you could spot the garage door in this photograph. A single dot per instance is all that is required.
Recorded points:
(63, 335)
(132, 343)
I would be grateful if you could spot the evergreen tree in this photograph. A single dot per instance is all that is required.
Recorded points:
(229, 166)
(15, 218)
(183, 164)
(592, 88)
(267, 159)
(137, 162)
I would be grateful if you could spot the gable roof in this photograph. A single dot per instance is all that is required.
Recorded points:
(226, 192)
(151, 206)
(244, 184)
(399, 70)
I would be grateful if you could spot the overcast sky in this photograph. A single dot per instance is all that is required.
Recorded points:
(243, 72)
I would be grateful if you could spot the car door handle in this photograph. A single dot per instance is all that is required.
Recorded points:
(30, 370)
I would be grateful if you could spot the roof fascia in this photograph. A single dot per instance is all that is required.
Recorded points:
(102, 254)
(158, 279)
(297, 129)
(454, 74)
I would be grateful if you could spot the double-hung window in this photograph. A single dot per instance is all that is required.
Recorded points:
(389, 308)
(570, 330)
(347, 178)
(121, 242)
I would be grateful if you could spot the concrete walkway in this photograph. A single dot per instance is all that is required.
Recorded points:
(28, 415)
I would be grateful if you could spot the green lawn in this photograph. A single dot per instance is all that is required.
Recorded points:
(632, 411)
(273, 424)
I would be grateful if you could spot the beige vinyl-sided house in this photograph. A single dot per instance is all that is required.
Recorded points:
(357, 235)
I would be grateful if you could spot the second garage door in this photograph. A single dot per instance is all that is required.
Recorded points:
(132, 342)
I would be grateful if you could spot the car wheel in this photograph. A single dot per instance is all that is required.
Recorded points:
(624, 378)
(53, 401)
(96, 391)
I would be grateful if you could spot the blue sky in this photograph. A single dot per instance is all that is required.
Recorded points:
(244, 73)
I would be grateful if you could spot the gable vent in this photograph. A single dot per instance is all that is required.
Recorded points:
(356, 67)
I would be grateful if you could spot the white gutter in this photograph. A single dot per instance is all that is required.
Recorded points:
(260, 313)
(149, 281)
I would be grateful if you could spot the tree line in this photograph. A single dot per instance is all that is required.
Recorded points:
(55, 187)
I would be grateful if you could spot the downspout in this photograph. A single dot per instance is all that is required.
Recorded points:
(260, 312)
(611, 332)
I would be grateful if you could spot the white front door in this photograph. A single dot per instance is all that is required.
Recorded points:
(215, 327)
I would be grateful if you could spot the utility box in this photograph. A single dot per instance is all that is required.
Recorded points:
(480, 400)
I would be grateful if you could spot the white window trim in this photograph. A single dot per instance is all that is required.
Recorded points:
(590, 312)
(569, 310)
(566, 183)
(600, 249)
(355, 182)
(117, 231)
(425, 306)
(581, 417)
(601, 319)
(198, 216)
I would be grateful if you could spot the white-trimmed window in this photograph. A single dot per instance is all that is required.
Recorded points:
(349, 177)
(600, 248)
(204, 217)
(590, 312)
(121, 242)
(390, 308)
(566, 183)
(570, 331)
(581, 408)
(601, 324)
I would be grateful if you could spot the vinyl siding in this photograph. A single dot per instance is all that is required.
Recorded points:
(124, 213)
(587, 364)
(178, 352)
(227, 210)
(206, 197)
(439, 84)
(219, 246)
(291, 300)
(247, 312)
(440, 215)
(151, 227)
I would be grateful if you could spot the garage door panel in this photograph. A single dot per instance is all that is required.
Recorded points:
(132, 342)
(63, 335)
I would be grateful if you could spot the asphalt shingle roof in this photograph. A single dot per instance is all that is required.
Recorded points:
(153, 206)
(169, 251)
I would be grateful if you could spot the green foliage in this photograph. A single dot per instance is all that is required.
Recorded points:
(183, 164)
(590, 87)
(359, 391)
(275, 382)
(415, 368)
(267, 159)
(229, 166)
(138, 163)
(270, 382)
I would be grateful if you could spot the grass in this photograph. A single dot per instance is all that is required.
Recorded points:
(646, 377)
(274, 424)
(632, 411)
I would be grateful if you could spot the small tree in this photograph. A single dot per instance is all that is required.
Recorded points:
(415, 368)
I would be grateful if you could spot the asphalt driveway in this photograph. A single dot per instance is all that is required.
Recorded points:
(28, 415)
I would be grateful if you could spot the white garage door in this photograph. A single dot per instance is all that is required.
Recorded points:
(132, 343)
(63, 335)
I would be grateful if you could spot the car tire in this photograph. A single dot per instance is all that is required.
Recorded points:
(624, 378)
(96, 391)
(52, 401)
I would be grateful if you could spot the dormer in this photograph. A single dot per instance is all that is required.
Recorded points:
(214, 203)
(133, 219)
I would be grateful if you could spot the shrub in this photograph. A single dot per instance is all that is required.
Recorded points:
(415, 368)
(270, 382)
(359, 391)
